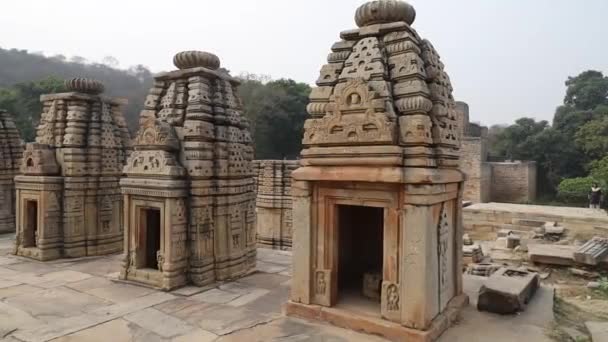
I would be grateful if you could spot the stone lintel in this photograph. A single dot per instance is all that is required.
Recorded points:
(119, 101)
(199, 71)
(401, 175)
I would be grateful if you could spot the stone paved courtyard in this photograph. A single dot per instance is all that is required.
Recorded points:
(79, 300)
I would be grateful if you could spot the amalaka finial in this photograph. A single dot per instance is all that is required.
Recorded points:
(384, 11)
(195, 59)
(85, 85)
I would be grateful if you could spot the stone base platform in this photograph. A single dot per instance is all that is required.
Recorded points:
(374, 325)
(484, 218)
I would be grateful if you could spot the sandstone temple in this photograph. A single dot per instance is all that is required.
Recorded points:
(273, 203)
(188, 191)
(376, 200)
(11, 150)
(68, 195)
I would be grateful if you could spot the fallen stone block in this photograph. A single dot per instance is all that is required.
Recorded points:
(483, 270)
(592, 252)
(551, 254)
(507, 291)
(513, 241)
(472, 254)
(598, 331)
(584, 274)
(503, 233)
(466, 240)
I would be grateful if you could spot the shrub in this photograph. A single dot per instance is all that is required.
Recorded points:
(575, 190)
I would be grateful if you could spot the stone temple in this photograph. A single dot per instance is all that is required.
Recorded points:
(273, 203)
(188, 192)
(377, 199)
(68, 195)
(11, 150)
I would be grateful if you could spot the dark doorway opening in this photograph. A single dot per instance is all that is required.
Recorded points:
(360, 252)
(152, 240)
(31, 224)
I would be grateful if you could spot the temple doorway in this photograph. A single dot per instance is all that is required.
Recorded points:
(360, 256)
(31, 224)
(151, 229)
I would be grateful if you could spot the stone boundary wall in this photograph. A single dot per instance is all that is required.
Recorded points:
(479, 173)
(273, 202)
(513, 182)
(483, 219)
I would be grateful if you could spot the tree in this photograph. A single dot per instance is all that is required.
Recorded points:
(276, 111)
(587, 90)
(592, 138)
(23, 101)
(110, 61)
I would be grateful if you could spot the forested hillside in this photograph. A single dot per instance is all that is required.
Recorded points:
(21, 73)
(276, 108)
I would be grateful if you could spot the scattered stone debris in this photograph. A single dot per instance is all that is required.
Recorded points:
(472, 254)
(592, 252)
(503, 233)
(513, 241)
(466, 240)
(594, 285)
(583, 273)
(483, 269)
(508, 291)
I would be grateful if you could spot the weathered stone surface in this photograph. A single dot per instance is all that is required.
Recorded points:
(273, 203)
(592, 252)
(378, 191)
(484, 218)
(190, 178)
(598, 331)
(68, 199)
(551, 254)
(11, 150)
(507, 291)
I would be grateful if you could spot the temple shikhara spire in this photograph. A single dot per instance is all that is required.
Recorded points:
(68, 199)
(188, 190)
(376, 200)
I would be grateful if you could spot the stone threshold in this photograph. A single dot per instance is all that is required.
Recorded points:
(377, 326)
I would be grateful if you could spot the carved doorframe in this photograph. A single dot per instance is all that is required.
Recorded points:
(138, 235)
(326, 233)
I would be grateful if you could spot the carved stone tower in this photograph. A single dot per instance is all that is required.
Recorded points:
(11, 150)
(377, 197)
(68, 198)
(188, 190)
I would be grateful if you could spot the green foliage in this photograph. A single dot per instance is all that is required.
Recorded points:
(574, 143)
(277, 111)
(599, 169)
(592, 137)
(575, 190)
(603, 288)
(22, 67)
(23, 101)
(587, 90)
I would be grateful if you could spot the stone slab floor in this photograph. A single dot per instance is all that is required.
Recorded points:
(78, 300)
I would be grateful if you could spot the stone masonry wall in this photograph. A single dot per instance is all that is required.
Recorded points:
(513, 182)
(478, 172)
(273, 202)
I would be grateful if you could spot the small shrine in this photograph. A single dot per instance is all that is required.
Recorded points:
(377, 198)
(11, 149)
(68, 196)
(188, 187)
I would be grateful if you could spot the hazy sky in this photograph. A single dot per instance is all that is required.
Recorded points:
(506, 58)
